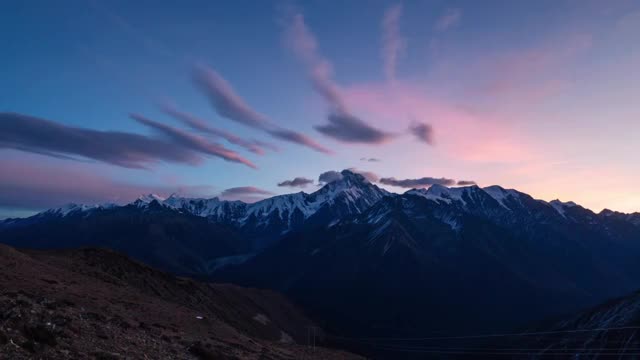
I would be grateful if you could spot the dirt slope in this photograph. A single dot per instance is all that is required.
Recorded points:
(98, 304)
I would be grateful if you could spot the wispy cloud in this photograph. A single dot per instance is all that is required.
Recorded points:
(465, 182)
(343, 125)
(298, 138)
(193, 142)
(36, 135)
(449, 19)
(231, 106)
(224, 99)
(244, 190)
(296, 182)
(201, 125)
(348, 128)
(417, 183)
(393, 45)
(245, 193)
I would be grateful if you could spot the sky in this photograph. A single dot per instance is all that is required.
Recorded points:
(102, 101)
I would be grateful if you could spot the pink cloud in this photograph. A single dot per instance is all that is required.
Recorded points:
(528, 75)
(460, 133)
(462, 129)
(247, 194)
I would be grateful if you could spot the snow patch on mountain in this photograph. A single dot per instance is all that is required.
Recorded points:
(73, 208)
(282, 205)
(148, 199)
(352, 191)
(431, 196)
(501, 195)
(443, 194)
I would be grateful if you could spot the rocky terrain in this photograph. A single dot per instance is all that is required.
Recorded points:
(98, 304)
(608, 330)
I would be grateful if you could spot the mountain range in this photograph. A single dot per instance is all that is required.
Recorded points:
(366, 262)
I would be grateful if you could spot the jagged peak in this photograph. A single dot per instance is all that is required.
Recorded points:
(347, 178)
(441, 193)
(563, 203)
(497, 189)
(609, 212)
(500, 194)
(177, 198)
(150, 197)
(281, 201)
(69, 208)
(350, 175)
(560, 206)
(350, 182)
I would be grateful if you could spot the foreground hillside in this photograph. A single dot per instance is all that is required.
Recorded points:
(84, 304)
(611, 329)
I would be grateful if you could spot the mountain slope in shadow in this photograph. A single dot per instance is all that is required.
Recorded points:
(94, 303)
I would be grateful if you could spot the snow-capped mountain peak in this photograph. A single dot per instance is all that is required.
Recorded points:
(283, 205)
(447, 194)
(443, 194)
(353, 178)
(71, 208)
(148, 198)
(351, 182)
(501, 194)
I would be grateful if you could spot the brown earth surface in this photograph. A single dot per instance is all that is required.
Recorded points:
(98, 304)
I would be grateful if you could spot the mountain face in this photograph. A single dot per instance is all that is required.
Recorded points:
(261, 222)
(191, 236)
(608, 330)
(265, 221)
(452, 260)
(159, 236)
(367, 262)
(98, 304)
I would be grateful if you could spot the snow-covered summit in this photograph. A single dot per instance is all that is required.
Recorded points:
(443, 194)
(72, 208)
(351, 193)
(353, 186)
(148, 199)
(502, 195)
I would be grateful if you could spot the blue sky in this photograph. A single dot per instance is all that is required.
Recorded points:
(535, 95)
